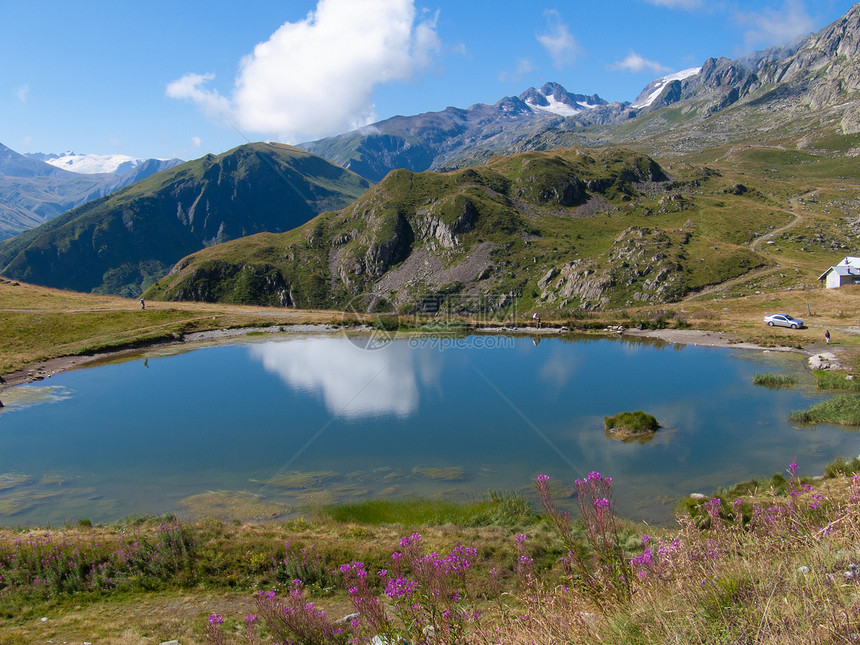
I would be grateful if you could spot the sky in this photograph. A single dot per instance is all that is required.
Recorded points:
(182, 79)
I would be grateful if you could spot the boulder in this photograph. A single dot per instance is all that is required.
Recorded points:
(824, 361)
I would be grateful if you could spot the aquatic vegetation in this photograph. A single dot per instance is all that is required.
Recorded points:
(232, 505)
(630, 425)
(11, 480)
(453, 473)
(774, 380)
(842, 409)
(300, 479)
(496, 509)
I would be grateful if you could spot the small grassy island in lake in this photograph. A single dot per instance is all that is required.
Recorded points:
(626, 426)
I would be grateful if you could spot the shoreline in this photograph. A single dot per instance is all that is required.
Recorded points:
(45, 369)
(52, 366)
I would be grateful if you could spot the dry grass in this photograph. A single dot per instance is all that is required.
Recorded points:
(38, 323)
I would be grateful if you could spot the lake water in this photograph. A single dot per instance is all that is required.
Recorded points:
(267, 427)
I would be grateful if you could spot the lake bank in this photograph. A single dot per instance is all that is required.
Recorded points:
(700, 338)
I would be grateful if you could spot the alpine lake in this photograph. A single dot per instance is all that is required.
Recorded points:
(274, 426)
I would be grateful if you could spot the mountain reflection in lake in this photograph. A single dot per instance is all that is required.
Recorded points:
(270, 428)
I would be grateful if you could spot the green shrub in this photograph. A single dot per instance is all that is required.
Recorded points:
(636, 422)
(839, 467)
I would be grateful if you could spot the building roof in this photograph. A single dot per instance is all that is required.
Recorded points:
(842, 270)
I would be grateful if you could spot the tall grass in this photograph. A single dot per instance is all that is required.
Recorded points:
(769, 561)
(774, 380)
(769, 567)
(836, 381)
(842, 409)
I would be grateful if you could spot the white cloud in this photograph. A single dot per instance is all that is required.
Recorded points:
(636, 63)
(196, 142)
(316, 77)
(524, 66)
(677, 4)
(22, 93)
(458, 49)
(558, 41)
(775, 26)
(190, 87)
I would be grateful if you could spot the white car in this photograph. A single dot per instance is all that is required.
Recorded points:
(783, 320)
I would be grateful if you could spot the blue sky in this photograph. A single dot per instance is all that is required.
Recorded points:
(182, 79)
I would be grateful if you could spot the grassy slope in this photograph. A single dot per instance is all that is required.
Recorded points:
(39, 323)
(536, 235)
(122, 243)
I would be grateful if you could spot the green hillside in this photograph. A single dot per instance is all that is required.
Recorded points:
(565, 229)
(122, 243)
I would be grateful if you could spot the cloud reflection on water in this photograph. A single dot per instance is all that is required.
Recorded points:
(353, 383)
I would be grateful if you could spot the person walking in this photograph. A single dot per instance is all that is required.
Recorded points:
(827, 336)
(142, 304)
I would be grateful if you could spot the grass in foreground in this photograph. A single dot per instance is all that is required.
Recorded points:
(770, 564)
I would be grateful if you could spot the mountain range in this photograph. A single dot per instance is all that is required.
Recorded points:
(811, 85)
(122, 242)
(440, 140)
(90, 164)
(552, 198)
(33, 191)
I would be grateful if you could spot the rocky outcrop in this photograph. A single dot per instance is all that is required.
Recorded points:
(824, 361)
(641, 267)
(389, 249)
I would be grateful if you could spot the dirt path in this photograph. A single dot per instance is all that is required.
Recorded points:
(754, 246)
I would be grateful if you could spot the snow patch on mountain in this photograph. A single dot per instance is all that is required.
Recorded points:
(555, 106)
(652, 91)
(90, 164)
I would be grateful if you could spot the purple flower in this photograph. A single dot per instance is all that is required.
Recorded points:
(215, 619)
(542, 478)
(520, 538)
(400, 588)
